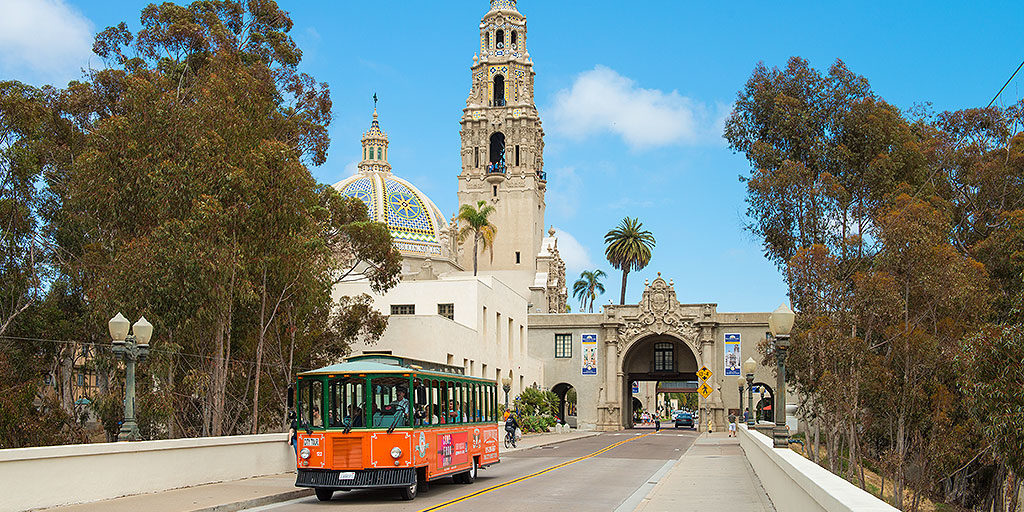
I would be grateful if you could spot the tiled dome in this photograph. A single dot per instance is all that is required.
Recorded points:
(415, 222)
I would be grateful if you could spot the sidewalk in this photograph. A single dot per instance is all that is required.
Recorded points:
(712, 475)
(252, 492)
(220, 497)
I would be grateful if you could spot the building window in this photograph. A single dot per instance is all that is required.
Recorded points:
(476, 157)
(664, 360)
(80, 379)
(517, 155)
(446, 310)
(517, 257)
(514, 38)
(563, 346)
(379, 151)
(403, 309)
(499, 39)
(495, 193)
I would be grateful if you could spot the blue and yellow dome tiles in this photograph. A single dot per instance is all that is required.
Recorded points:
(415, 222)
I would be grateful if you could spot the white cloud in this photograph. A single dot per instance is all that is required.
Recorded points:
(603, 101)
(45, 39)
(351, 168)
(576, 256)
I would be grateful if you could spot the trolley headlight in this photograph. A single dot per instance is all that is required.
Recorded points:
(304, 453)
(396, 452)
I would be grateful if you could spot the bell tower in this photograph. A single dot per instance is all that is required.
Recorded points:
(503, 143)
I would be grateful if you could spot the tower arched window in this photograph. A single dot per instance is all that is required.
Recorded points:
(487, 40)
(499, 91)
(499, 39)
(379, 152)
(515, 38)
(497, 153)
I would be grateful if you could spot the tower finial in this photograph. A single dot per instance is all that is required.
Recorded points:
(374, 104)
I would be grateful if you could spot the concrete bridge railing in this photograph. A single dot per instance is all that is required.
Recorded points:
(795, 483)
(49, 476)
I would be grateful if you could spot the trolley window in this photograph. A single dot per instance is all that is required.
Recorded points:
(390, 402)
(347, 402)
(311, 400)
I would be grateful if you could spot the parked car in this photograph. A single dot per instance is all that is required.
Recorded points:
(684, 419)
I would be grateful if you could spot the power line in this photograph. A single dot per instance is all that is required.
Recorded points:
(1008, 80)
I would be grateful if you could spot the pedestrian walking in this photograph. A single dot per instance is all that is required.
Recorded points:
(657, 422)
(293, 433)
(732, 425)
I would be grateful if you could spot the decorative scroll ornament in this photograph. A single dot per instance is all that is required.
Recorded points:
(660, 313)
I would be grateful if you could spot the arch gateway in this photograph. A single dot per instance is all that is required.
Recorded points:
(622, 355)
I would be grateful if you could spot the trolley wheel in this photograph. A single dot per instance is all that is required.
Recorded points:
(324, 494)
(469, 476)
(409, 492)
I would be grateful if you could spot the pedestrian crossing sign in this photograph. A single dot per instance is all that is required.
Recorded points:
(704, 390)
(703, 374)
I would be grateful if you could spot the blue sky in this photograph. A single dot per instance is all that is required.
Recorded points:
(651, 81)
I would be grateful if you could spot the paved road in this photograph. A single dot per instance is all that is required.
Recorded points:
(599, 483)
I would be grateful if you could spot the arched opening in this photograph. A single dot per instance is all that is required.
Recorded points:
(487, 40)
(497, 164)
(567, 400)
(667, 364)
(499, 91)
(764, 402)
(514, 38)
(499, 39)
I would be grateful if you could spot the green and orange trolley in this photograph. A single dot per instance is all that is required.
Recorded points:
(380, 422)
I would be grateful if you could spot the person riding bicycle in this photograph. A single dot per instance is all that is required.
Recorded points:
(511, 425)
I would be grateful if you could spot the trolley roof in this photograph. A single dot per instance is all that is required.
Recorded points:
(366, 367)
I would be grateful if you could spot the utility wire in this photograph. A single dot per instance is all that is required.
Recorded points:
(1004, 85)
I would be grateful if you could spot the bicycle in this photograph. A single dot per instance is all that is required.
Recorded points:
(510, 439)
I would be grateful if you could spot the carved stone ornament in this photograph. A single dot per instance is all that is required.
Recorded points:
(660, 313)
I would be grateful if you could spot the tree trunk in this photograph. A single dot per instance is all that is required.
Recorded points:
(259, 356)
(218, 382)
(476, 245)
(817, 439)
(622, 296)
(67, 369)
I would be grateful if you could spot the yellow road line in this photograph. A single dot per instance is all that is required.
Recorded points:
(531, 475)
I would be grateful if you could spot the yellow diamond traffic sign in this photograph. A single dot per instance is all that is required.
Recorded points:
(704, 373)
(704, 390)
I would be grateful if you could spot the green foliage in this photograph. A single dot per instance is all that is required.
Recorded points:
(177, 187)
(536, 423)
(534, 402)
(888, 229)
(992, 377)
(628, 248)
(478, 227)
(588, 287)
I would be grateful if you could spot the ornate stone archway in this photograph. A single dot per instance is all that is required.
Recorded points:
(658, 314)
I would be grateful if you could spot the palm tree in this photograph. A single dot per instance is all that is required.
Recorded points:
(629, 248)
(588, 287)
(479, 227)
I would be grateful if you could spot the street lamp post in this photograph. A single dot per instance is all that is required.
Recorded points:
(133, 348)
(506, 385)
(740, 381)
(781, 323)
(748, 368)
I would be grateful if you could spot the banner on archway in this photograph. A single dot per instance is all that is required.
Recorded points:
(732, 355)
(589, 354)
